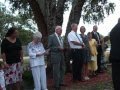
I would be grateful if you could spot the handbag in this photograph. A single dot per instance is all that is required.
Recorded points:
(93, 58)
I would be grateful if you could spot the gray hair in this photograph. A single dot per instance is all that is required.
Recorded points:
(37, 35)
(73, 24)
(57, 27)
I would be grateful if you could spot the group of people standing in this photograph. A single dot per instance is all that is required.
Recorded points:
(86, 52)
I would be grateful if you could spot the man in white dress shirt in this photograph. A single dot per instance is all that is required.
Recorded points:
(76, 45)
(55, 43)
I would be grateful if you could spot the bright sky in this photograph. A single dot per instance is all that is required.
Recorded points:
(104, 28)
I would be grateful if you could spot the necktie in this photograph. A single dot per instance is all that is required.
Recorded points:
(98, 38)
(60, 40)
(78, 37)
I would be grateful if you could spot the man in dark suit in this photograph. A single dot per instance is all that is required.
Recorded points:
(97, 37)
(115, 55)
(55, 43)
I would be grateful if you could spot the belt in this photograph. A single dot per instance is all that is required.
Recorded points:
(77, 49)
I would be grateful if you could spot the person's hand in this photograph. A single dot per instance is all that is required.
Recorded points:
(22, 61)
(47, 51)
(60, 48)
(92, 54)
(1, 88)
(6, 65)
(83, 45)
(37, 55)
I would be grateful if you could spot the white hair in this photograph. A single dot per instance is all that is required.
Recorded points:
(37, 35)
(57, 27)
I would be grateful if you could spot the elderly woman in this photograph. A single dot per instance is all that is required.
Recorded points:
(36, 53)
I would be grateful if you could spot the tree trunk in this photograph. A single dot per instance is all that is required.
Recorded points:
(75, 14)
(54, 13)
(50, 15)
(39, 18)
(60, 12)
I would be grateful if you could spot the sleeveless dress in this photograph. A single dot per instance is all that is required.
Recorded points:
(86, 53)
(92, 65)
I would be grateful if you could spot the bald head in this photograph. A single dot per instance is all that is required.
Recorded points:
(58, 30)
(74, 27)
(95, 28)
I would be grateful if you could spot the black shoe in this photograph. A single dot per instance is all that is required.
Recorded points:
(64, 85)
(57, 88)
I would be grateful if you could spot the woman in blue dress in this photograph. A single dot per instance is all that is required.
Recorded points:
(86, 53)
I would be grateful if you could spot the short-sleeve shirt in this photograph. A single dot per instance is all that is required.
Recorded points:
(72, 37)
(11, 50)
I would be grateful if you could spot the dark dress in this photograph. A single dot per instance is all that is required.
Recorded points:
(13, 73)
(86, 49)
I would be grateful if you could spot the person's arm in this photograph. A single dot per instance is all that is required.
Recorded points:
(33, 54)
(71, 39)
(76, 43)
(0, 87)
(4, 58)
(42, 51)
(21, 56)
(45, 52)
(21, 51)
(3, 55)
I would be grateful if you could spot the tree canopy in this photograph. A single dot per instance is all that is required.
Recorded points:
(7, 19)
(49, 13)
(25, 36)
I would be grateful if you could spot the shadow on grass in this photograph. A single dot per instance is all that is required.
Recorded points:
(28, 83)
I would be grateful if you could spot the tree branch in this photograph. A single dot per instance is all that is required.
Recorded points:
(75, 14)
(60, 11)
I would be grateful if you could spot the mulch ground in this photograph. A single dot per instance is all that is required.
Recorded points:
(101, 78)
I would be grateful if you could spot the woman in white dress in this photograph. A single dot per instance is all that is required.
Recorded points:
(36, 53)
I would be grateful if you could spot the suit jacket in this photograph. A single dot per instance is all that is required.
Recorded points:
(99, 48)
(53, 44)
(94, 36)
(115, 44)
